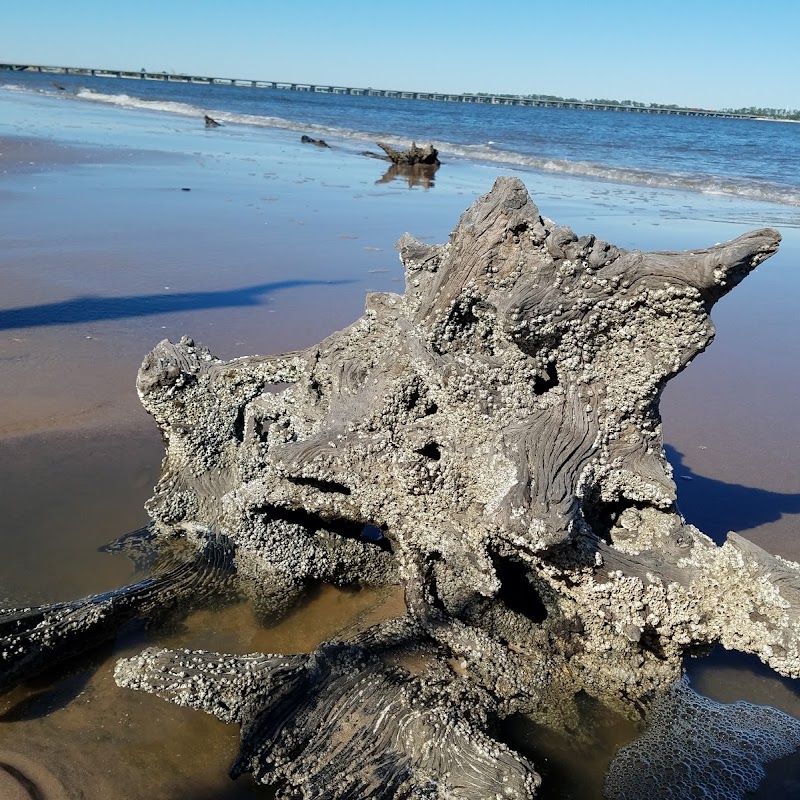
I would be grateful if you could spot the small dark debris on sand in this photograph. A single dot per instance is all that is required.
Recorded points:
(318, 142)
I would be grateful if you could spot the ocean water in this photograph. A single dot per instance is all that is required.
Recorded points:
(102, 254)
(754, 159)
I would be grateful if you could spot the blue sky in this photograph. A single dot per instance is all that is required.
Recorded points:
(714, 54)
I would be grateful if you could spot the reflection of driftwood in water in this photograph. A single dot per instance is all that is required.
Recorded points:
(34, 639)
(415, 174)
(499, 424)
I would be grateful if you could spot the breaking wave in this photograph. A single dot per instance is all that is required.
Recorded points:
(130, 101)
(697, 182)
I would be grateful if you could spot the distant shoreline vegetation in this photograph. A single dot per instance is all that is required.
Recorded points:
(751, 111)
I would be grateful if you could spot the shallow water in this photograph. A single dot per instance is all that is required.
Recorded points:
(751, 158)
(273, 248)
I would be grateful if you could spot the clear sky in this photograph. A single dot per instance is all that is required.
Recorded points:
(711, 53)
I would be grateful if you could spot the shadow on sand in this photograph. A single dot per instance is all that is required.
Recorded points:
(95, 309)
(717, 507)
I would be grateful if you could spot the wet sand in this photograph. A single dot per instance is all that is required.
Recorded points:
(23, 154)
(274, 247)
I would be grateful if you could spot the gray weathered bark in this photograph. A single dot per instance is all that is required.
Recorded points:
(35, 639)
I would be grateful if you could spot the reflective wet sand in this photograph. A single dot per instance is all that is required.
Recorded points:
(274, 247)
(103, 743)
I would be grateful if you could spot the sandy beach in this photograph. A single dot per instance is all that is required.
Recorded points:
(252, 242)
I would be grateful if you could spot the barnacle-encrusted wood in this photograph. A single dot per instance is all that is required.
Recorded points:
(341, 723)
(34, 639)
(498, 424)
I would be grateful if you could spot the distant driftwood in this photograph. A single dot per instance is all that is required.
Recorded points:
(427, 155)
(317, 142)
(211, 122)
(416, 165)
(499, 424)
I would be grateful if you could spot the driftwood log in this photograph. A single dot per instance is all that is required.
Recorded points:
(498, 425)
(318, 142)
(416, 165)
(427, 154)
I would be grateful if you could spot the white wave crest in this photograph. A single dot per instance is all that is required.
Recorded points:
(697, 182)
(129, 101)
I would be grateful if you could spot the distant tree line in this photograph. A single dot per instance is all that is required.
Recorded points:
(772, 113)
(752, 111)
(598, 100)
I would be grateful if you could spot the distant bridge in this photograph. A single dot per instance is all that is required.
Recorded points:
(485, 99)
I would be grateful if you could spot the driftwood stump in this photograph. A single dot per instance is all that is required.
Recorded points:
(498, 424)
(427, 154)
(416, 165)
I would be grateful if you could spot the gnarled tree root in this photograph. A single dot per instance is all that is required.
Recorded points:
(340, 724)
(35, 639)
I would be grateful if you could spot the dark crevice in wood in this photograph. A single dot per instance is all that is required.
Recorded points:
(374, 535)
(312, 522)
(238, 426)
(322, 485)
(651, 641)
(315, 387)
(602, 515)
(341, 526)
(546, 382)
(517, 591)
(431, 451)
